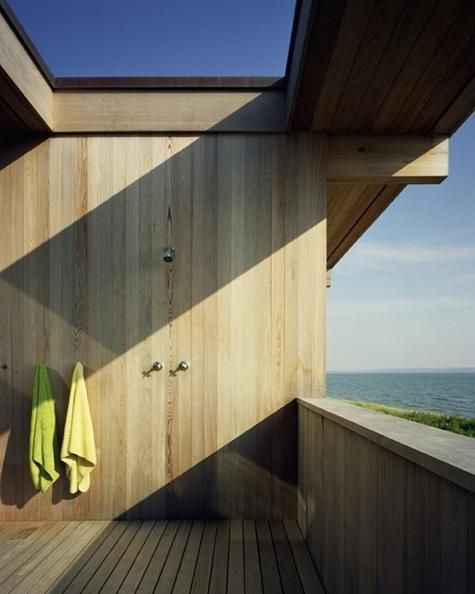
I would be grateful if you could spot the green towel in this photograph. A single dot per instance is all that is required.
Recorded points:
(43, 454)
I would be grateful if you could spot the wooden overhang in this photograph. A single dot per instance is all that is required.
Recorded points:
(387, 80)
(382, 67)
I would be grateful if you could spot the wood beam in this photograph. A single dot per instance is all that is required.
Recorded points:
(300, 37)
(316, 29)
(351, 210)
(169, 111)
(387, 159)
(458, 111)
(22, 85)
(188, 83)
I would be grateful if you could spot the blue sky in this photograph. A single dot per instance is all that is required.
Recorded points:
(159, 38)
(404, 296)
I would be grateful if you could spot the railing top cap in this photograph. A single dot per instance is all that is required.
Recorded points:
(447, 454)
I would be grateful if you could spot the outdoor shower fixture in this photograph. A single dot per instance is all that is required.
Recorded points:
(157, 366)
(169, 254)
(182, 366)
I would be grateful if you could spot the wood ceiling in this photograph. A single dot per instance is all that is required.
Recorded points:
(384, 67)
(387, 66)
(351, 209)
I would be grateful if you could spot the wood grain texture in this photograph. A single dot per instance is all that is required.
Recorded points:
(377, 522)
(159, 557)
(316, 32)
(401, 159)
(169, 111)
(384, 17)
(352, 28)
(18, 66)
(387, 66)
(352, 209)
(82, 278)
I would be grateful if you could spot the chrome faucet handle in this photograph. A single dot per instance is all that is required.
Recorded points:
(157, 366)
(182, 366)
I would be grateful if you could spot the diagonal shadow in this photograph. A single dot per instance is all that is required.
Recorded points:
(244, 480)
(98, 286)
(92, 258)
(252, 477)
(16, 487)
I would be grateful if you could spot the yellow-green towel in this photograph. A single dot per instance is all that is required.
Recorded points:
(78, 451)
(43, 451)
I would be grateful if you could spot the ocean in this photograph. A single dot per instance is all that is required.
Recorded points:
(451, 393)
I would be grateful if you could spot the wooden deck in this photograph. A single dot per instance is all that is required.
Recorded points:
(175, 556)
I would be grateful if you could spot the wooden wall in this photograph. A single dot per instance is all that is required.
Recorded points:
(84, 224)
(376, 522)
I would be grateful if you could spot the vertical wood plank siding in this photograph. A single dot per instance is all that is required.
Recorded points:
(376, 522)
(85, 223)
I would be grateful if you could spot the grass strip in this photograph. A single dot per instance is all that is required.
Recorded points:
(455, 423)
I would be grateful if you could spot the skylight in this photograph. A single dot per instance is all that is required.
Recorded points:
(161, 37)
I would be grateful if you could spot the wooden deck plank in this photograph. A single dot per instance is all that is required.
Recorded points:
(219, 572)
(6, 548)
(81, 560)
(308, 574)
(177, 557)
(270, 572)
(84, 575)
(159, 557)
(13, 558)
(108, 565)
(6, 527)
(20, 539)
(118, 575)
(43, 576)
(190, 557)
(204, 564)
(285, 560)
(7, 531)
(139, 566)
(236, 559)
(173, 562)
(252, 569)
(16, 571)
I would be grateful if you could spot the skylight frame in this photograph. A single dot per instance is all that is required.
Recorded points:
(215, 83)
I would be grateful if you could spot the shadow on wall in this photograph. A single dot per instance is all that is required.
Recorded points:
(254, 476)
(232, 483)
(92, 274)
(98, 287)
(16, 487)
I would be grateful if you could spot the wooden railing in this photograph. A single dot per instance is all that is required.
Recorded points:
(386, 505)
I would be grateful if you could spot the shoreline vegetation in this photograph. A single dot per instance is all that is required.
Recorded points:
(455, 423)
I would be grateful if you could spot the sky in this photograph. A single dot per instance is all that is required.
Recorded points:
(404, 295)
(159, 37)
